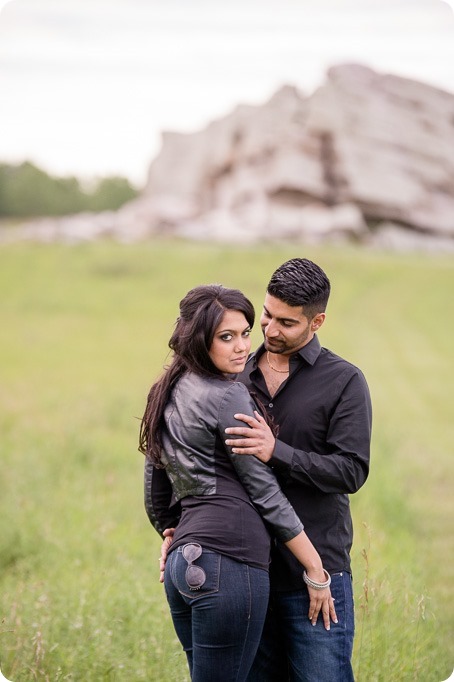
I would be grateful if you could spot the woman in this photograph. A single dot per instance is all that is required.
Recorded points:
(216, 574)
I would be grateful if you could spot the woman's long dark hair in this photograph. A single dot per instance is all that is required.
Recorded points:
(201, 312)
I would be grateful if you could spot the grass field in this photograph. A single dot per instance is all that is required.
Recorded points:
(83, 332)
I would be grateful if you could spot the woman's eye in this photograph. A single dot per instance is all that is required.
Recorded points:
(226, 337)
(247, 332)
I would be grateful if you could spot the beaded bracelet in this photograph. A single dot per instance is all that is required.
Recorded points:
(315, 585)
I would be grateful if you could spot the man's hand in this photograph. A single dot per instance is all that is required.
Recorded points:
(168, 537)
(258, 441)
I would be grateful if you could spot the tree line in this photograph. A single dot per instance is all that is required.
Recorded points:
(28, 191)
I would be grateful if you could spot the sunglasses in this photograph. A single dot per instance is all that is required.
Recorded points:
(195, 575)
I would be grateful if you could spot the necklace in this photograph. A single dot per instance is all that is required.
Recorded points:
(281, 371)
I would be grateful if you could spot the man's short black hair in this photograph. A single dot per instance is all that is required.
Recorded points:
(300, 282)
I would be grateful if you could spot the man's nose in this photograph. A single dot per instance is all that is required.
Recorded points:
(271, 329)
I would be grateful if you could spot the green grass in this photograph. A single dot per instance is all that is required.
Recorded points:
(83, 332)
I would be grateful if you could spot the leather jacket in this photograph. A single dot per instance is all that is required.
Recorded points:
(197, 414)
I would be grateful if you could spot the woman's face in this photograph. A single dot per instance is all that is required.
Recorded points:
(231, 343)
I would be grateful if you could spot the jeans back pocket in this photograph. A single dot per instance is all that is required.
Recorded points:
(195, 571)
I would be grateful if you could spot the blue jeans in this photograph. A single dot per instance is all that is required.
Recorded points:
(219, 623)
(294, 650)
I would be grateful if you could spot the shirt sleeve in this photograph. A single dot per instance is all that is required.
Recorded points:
(258, 479)
(158, 498)
(344, 467)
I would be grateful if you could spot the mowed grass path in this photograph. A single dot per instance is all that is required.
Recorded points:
(83, 332)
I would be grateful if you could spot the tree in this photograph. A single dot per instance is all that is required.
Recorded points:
(27, 191)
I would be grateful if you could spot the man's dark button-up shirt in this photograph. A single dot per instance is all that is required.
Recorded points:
(323, 411)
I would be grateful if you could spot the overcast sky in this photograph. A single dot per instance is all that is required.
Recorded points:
(87, 85)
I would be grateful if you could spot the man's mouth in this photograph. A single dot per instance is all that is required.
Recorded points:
(273, 342)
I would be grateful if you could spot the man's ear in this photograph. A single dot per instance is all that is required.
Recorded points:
(317, 321)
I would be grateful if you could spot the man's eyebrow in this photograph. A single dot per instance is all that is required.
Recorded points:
(281, 319)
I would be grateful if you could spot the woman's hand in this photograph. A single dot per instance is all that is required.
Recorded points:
(258, 438)
(321, 600)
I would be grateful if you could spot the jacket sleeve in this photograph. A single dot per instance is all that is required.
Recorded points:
(158, 499)
(344, 467)
(257, 478)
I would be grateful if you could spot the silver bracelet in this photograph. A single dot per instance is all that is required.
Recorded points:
(315, 585)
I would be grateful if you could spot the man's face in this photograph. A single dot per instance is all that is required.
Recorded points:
(285, 328)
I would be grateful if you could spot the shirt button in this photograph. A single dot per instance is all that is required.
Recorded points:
(270, 405)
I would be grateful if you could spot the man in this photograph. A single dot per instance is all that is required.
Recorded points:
(322, 406)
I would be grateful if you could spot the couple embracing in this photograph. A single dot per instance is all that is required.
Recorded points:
(249, 461)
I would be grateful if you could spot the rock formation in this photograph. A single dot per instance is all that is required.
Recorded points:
(367, 157)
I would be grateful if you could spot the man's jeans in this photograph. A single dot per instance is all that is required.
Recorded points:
(292, 649)
(219, 623)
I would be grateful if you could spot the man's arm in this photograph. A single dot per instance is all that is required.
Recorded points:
(344, 467)
(158, 498)
(168, 539)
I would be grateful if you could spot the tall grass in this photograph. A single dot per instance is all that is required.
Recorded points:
(83, 333)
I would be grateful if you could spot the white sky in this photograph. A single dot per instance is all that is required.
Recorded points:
(86, 86)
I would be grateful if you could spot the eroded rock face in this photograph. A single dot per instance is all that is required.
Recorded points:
(393, 146)
(365, 149)
(380, 143)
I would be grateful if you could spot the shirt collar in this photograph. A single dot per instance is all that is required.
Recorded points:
(311, 350)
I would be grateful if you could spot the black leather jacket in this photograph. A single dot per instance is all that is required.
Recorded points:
(199, 410)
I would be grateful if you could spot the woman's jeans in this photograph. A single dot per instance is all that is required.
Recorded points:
(293, 649)
(218, 613)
